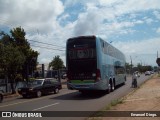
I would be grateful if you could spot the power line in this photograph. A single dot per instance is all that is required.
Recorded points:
(46, 43)
(48, 48)
(4, 21)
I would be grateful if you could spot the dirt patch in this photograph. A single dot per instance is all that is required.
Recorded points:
(145, 98)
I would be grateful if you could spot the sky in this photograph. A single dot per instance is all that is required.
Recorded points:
(132, 26)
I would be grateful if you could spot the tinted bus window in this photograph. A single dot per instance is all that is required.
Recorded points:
(81, 56)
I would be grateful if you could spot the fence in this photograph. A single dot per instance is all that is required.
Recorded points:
(6, 87)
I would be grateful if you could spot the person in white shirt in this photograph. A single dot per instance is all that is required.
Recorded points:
(134, 80)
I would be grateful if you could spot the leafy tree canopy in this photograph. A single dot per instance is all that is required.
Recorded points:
(56, 63)
(16, 52)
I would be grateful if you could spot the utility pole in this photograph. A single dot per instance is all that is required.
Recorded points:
(131, 64)
(158, 62)
(43, 71)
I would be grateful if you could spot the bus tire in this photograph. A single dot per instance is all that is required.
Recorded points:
(109, 88)
(123, 83)
(112, 86)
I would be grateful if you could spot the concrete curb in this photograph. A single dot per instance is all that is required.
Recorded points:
(9, 95)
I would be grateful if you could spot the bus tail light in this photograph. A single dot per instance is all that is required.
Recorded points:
(98, 75)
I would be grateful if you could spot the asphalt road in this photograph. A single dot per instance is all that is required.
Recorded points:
(67, 100)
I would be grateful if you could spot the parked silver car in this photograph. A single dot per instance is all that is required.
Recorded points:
(147, 73)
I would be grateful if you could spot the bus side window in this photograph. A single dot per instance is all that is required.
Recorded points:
(103, 45)
(119, 70)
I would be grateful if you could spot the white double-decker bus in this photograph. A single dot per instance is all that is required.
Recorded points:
(93, 64)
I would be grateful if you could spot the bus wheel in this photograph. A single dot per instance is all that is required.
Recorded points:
(123, 83)
(109, 88)
(112, 86)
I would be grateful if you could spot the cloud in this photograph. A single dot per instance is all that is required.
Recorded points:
(148, 46)
(130, 6)
(91, 21)
(47, 51)
(158, 30)
(157, 14)
(88, 23)
(140, 50)
(109, 2)
(57, 41)
(33, 15)
(53, 21)
(149, 21)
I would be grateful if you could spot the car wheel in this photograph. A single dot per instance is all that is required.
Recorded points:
(1, 98)
(24, 96)
(39, 93)
(83, 91)
(56, 91)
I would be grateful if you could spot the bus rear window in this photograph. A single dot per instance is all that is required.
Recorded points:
(82, 53)
(81, 48)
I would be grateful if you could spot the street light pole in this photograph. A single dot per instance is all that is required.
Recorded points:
(131, 64)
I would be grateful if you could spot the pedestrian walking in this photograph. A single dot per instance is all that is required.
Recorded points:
(134, 80)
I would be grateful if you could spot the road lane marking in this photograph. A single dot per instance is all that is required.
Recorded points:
(45, 106)
(64, 92)
(24, 101)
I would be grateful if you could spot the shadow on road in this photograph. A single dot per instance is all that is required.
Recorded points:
(85, 96)
(80, 96)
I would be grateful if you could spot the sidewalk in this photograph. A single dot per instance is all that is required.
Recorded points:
(10, 95)
(145, 98)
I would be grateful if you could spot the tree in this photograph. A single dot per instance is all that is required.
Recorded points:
(11, 61)
(128, 68)
(140, 68)
(18, 36)
(56, 63)
(14, 60)
(17, 57)
(158, 61)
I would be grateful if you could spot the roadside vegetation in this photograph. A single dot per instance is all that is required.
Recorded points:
(159, 75)
(18, 61)
(141, 68)
(99, 114)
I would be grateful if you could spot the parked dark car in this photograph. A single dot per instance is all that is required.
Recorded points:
(40, 87)
(1, 96)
